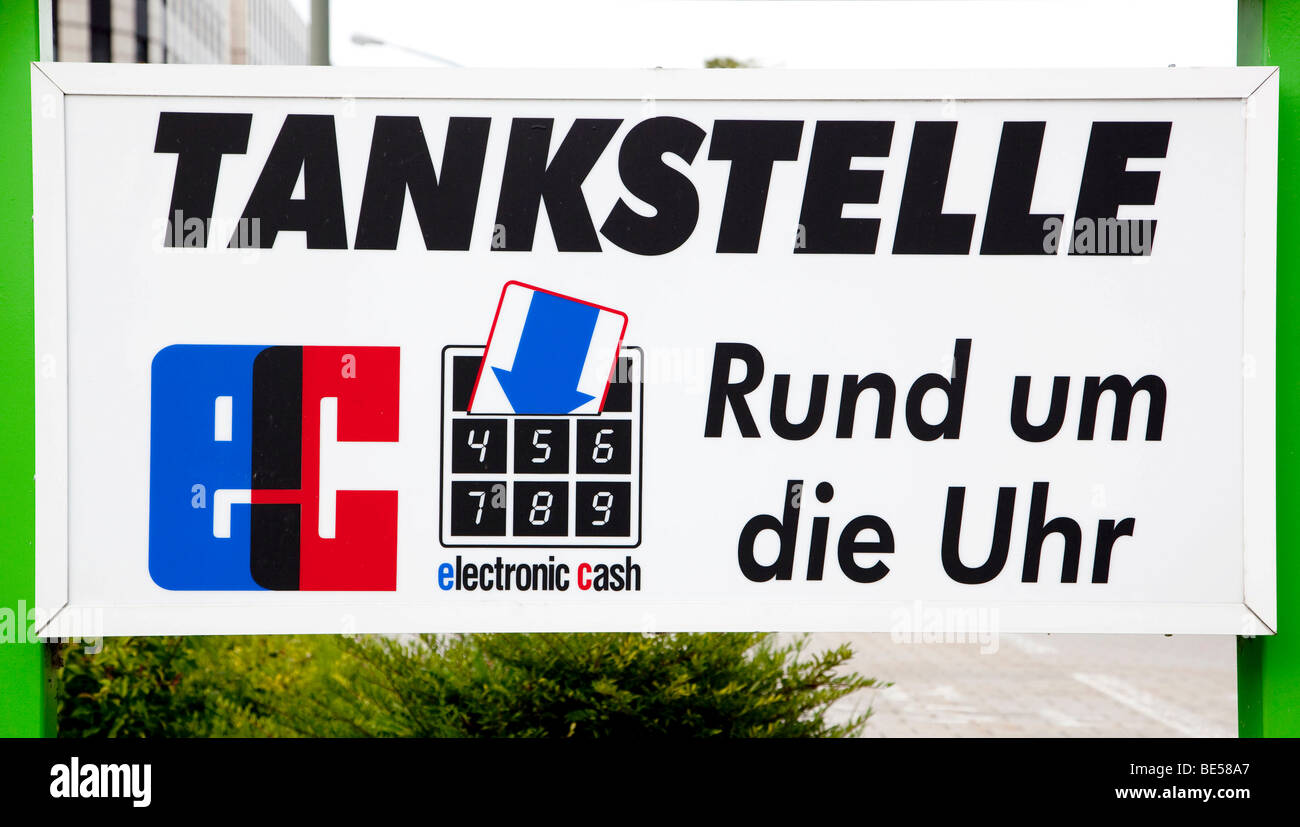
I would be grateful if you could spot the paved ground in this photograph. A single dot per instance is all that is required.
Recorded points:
(1046, 686)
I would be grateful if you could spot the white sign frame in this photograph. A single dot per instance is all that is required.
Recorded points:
(52, 83)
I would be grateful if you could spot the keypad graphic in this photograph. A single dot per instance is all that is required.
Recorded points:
(529, 480)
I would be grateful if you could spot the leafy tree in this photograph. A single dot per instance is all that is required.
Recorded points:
(728, 63)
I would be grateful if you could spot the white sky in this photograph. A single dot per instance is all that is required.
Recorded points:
(787, 33)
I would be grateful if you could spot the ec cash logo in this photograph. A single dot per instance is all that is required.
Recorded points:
(250, 464)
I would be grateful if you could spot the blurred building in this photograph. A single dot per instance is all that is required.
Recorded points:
(180, 31)
(268, 31)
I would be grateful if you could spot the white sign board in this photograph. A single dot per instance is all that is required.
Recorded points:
(383, 351)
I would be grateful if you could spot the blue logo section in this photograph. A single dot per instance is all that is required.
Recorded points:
(201, 443)
(552, 350)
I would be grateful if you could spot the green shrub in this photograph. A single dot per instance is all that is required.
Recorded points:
(131, 688)
(539, 685)
(179, 686)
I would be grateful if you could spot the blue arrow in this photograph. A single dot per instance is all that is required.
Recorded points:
(552, 350)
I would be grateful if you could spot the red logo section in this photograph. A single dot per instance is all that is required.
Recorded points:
(309, 532)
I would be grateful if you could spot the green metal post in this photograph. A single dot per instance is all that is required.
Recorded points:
(25, 697)
(1268, 668)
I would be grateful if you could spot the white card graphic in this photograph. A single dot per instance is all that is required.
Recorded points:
(547, 354)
